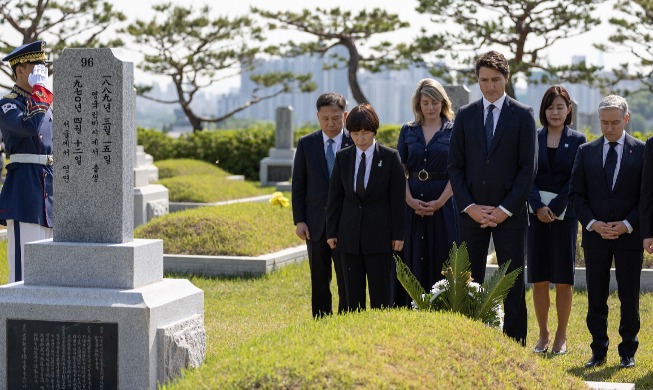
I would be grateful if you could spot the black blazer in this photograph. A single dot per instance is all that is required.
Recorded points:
(310, 182)
(592, 198)
(555, 176)
(367, 225)
(502, 177)
(646, 198)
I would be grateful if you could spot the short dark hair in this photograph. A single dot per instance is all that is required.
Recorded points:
(493, 60)
(547, 101)
(361, 118)
(331, 99)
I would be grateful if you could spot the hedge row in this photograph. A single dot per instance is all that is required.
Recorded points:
(240, 151)
(236, 151)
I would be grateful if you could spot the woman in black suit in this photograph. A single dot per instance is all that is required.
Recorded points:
(552, 234)
(365, 211)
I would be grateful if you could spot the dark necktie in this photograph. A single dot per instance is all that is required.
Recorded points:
(610, 164)
(489, 127)
(330, 156)
(360, 177)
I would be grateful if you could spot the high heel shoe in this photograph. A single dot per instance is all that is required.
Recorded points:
(561, 350)
(541, 350)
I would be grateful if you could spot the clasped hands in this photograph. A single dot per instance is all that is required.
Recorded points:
(609, 230)
(545, 215)
(423, 208)
(486, 216)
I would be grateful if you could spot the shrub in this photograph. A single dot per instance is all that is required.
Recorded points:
(240, 229)
(388, 135)
(236, 151)
(157, 144)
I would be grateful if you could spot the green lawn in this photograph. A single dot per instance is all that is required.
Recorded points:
(260, 335)
(200, 182)
(239, 229)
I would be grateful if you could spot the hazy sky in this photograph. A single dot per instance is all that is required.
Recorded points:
(560, 53)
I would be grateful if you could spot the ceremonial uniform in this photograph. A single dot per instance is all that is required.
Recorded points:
(26, 197)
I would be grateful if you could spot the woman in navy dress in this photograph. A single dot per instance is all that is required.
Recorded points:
(431, 218)
(552, 234)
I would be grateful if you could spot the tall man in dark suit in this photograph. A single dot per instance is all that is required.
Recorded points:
(492, 164)
(646, 198)
(312, 168)
(604, 192)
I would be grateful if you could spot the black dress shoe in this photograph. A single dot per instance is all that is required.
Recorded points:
(627, 362)
(595, 361)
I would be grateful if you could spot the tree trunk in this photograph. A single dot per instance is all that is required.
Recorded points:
(352, 72)
(510, 90)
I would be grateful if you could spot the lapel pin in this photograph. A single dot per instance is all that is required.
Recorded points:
(380, 163)
(566, 145)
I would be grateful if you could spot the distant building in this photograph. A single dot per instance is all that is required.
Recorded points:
(388, 91)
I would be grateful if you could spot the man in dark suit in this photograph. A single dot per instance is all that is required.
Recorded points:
(604, 192)
(312, 168)
(646, 198)
(365, 211)
(492, 164)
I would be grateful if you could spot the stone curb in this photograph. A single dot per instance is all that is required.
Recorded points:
(646, 278)
(180, 206)
(233, 265)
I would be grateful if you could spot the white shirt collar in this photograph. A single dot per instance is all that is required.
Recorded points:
(498, 104)
(368, 152)
(337, 138)
(620, 141)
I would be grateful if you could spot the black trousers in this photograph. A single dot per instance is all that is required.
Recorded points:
(375, 268)
(628, 268)
(320, 256)
(509, 245)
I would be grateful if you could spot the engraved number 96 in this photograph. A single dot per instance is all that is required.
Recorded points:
(87, 62)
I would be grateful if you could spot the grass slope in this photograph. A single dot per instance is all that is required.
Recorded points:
(383, 349)
(242, 229)
(200, 182)
(260, 335)
(186, 166)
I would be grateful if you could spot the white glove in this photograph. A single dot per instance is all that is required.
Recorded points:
(38, 76)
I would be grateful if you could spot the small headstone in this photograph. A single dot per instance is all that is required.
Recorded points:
(283, 136)
(278, 165)
(458, 94)
(574, 115)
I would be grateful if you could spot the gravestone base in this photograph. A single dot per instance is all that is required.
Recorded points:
(150, 201)
(277, 167)
(159, 331)
(78, 264)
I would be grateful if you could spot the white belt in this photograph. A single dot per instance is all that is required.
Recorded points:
(43, 159)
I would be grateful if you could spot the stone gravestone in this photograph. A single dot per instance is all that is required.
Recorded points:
(458, 94)
(94, 310)
(574, 115)
(150, 200)
(277, 167)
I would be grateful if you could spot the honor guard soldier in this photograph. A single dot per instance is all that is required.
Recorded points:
(26, 124)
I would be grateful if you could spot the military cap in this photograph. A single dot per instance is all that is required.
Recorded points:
(30, 52)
